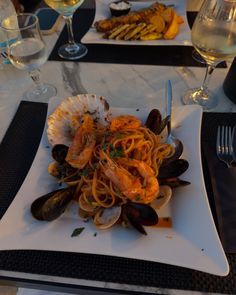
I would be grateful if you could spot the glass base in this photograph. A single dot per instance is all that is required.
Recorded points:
(72, 51)
(41, 94)
(204, 98)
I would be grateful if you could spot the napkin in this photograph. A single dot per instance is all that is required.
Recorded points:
(220, 180)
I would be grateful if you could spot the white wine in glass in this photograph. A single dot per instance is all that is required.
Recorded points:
(214, 38)
(27, 51)
(72, 50)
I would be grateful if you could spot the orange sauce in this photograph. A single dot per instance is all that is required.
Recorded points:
(165, 222)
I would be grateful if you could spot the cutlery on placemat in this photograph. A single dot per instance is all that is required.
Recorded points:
(224, 147)
(234, 143)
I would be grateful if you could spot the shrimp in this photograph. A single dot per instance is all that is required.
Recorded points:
(125, 122)
(129, 184)
(81, 149)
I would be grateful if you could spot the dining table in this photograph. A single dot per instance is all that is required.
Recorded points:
(129, 77)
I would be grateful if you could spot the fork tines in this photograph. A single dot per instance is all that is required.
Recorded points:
(224, 147)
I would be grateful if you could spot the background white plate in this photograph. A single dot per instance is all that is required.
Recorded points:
(103, 11)
(192, 242)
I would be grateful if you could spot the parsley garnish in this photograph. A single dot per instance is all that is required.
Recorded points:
(77, 231)
(117, 152)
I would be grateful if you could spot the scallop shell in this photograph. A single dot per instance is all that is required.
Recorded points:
(63, 122)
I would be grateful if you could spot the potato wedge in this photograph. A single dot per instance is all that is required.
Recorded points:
(159, 22)
(135, 31)
(173, 28)
(151, 36)
(118, 30)
(149, 29)
(167, 14)
(126, 31)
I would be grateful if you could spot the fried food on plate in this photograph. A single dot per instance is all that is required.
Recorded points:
(152, 23)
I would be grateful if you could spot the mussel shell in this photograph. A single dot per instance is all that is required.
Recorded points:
(173, 169)
(139, 214)
(154, 121)
(173, 182)
(50, 206)
(59, 152)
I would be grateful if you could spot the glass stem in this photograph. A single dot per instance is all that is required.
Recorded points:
(35, 76)
(68, 20)
(209, 71)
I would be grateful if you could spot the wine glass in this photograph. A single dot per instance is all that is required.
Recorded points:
(27, 51)
(214, 38)
(66, 8)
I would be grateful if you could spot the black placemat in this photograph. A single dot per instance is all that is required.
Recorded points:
(220, 179)
(28, 122)
(18, 148)
(125, 54)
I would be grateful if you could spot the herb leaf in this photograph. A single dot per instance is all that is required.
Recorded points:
(77, 231)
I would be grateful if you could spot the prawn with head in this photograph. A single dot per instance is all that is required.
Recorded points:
(81, 149)
(141, 188)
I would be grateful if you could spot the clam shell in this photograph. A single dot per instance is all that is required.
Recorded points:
(163, 198)
(107, 217)
(63, 122)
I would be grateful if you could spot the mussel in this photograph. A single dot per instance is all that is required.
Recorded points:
(50, 206)
(137, 215)
(173, 182)
(59, 152)
(154, 121)
(173, 169)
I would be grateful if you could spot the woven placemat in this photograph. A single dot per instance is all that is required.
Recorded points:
(17, 152)
(125, 54)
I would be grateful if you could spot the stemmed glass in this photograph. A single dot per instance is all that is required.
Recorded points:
(214, 38)
(66, 8)
(27, 51)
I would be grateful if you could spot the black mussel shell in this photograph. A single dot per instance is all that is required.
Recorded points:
(153, 120)
(173, 182)
(59, 152)
(50, 206)
(173, 169)
(139, 214)
(155, 123)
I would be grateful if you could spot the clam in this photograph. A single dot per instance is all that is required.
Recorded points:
(107, 217)
(64, 121)
(163, 198)
(52, 205)
(137, 215)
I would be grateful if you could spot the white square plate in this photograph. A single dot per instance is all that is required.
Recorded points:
(192, 242)
(103, 12)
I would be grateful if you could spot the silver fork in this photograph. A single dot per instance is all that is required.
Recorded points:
(224, 147)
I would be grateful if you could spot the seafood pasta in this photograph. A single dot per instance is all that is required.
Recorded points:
(115, 163)
(112, 172)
